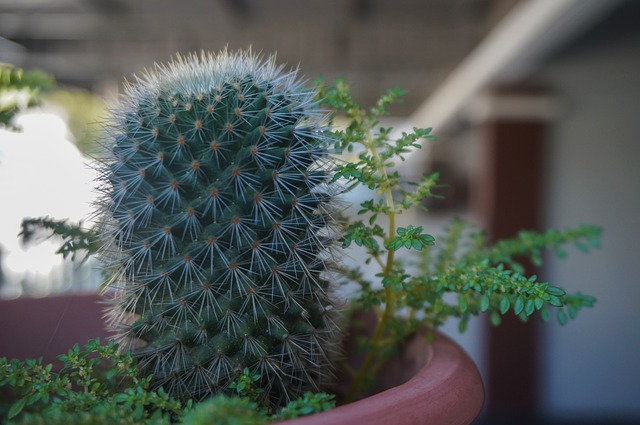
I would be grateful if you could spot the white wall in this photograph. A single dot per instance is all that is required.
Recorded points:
(592, 365)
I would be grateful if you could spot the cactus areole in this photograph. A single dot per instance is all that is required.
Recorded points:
(217, 222)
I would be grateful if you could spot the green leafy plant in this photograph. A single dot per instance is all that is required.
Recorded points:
(308, 404)
(220, 224)
(76, 238)
(99, 384)
(19, 90)
(457, 275)
(226, 410)
(95, 384)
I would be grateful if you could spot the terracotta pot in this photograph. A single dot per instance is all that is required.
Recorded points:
(47, 327)
(435, 383)
(443, 388)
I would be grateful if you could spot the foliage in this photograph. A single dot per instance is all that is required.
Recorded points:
(20, 90)
(99, 384)
(224, 410)
(217, 227)
(76, 238)
(308, 404)
(457, 275)
(96, 384)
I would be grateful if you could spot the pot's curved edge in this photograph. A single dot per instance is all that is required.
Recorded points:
(447, 391)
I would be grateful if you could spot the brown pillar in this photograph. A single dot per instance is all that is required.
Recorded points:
(510, 128)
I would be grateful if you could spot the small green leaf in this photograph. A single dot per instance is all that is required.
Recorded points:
(539, 302)
(560, 253)
(495, 318)
(120, 398)
(554, 290)
(536, 260)
(370, 243)
(484, 303)
(519, 305)
(394, 244)
(33, 398)
(17, 407)
(139, 412)
(573, 311)
(387, 281)
(529, 307)
(555, 301)
(545, 315)
(561, 316)
(462, 326)
(428, 240)
(504, 304)
(582, 247)
(462, 303)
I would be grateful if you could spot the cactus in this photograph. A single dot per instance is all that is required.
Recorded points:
(217, 222)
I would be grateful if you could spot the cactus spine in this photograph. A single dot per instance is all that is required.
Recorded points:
(217, 221)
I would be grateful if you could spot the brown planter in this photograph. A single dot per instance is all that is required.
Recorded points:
(47, 327)
(445, 389)
(435, 383)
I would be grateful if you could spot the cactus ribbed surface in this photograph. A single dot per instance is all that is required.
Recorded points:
(217, 221)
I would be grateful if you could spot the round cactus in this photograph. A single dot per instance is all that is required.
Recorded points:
(218, 227)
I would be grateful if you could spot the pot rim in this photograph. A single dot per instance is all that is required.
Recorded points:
(448, 390)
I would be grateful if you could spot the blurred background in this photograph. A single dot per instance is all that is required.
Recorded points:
(534, 102)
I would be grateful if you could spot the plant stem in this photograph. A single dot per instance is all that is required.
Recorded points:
(371, 359)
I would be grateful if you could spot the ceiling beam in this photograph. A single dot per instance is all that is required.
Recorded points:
(527, 35)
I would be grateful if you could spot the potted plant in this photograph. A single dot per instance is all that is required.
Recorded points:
(221, 233)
